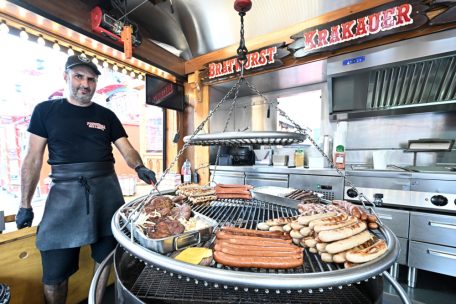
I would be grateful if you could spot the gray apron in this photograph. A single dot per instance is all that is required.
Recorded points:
(80, 205)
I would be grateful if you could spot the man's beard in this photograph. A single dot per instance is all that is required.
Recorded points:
(82, 98)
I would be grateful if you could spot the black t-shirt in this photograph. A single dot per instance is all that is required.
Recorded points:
(76, 134)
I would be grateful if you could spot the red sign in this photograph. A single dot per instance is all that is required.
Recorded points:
(164, 92)
(257, 60)
(360, 27)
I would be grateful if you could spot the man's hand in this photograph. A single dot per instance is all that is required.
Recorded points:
(148, 176)
(24, 218)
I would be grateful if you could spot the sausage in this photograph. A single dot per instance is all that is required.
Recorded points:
(305, 231)
(296, 226)
(246, 187)
(321, 247)
(247, 248)
(263, 226)
(286, 228)
(341, 256)
(257, 252)
(281, 221)
(350, 221)
(251, 232)
(295, 234)
(348, 243)
(234, 195)
(367, 254)
(326, 257)
(225, 235)
(254, 242)
(372, 225)
(329, 220)
(313, 250)
(306, 219)
(371, 218)
(310, 242)
(257, 262)
(342, 233)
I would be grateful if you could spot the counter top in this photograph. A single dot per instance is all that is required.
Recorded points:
(450, 176)
(277, 169)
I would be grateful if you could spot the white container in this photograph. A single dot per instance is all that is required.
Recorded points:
(379, 159)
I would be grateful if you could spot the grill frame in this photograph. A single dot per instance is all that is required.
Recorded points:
(263, 279)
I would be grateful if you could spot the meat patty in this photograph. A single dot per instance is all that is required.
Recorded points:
(166, 227)
(182, 211)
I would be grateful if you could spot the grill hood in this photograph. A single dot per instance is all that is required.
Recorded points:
(406, 77)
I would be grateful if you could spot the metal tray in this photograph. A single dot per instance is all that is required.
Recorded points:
(246, 138)
(176, 242)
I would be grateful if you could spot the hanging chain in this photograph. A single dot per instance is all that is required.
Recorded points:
(233, 103)
(282, 113)
(242, 50)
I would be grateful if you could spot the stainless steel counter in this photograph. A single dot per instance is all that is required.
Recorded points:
(277, 169)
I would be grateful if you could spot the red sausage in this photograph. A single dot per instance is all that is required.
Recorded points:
(257, 262)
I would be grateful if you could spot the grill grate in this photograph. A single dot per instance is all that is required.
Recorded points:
(153, 285)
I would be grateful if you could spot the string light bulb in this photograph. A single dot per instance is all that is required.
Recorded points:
(24, 35)
(105, 64)
(83, 55)
(4, 29)
(140, 76)
(132, 74)
(124, 71)
(70, 51)
(56, 46)
(40, 40)
(95, 60)
(115, 68)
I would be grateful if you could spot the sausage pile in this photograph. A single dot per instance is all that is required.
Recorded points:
(338, 232)
(233, 191)
(246, 248)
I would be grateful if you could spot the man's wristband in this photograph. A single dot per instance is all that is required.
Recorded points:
(139, 167)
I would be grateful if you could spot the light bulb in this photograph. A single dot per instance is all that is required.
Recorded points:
(41, 41)
(4, 29)
(140, 76)
(95, 60)
(105, 64)
(24, 35)
(56, 47)
(83, 55)
(124, 71)
(132, 74)
(115, 68)
(70, 51)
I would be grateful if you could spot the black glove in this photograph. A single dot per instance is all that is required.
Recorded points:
(24, 218)
(148, 176)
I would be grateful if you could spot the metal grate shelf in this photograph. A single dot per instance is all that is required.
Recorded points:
(246, 138)
(153, 285)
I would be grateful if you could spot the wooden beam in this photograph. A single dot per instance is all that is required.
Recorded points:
(76, 15)
(280, 36)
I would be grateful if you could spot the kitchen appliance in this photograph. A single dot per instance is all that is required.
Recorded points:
(242, 156)
(426, 221)
(139, 270)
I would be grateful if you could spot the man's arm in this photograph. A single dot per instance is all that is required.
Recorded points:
(129, 153)
(31, 168)
(134, 160)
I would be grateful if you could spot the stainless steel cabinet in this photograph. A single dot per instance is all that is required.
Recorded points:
(398, 222)
(431, 257)
(229, 177)
(266, 179)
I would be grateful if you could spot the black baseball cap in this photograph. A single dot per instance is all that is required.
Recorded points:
(75, 60)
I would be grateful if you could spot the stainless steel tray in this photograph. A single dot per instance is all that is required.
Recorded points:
(246, 138)
(176, 242)
(259, 194)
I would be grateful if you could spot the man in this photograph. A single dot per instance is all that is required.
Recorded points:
(85, 191)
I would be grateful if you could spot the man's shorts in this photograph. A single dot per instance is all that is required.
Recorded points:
(60, 264)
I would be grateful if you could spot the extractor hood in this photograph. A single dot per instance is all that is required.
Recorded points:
(412, 76)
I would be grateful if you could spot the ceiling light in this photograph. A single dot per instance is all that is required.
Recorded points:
(132, 74)
(105, 64)
(95, 60)
(140, 76)
(124, 71)
(115, 68)
(41, 41)
(24, 35)
(4, 29)
(56, 47)
(70, 51)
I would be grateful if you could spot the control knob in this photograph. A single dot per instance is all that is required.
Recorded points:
(352, 193)
(439, 200)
